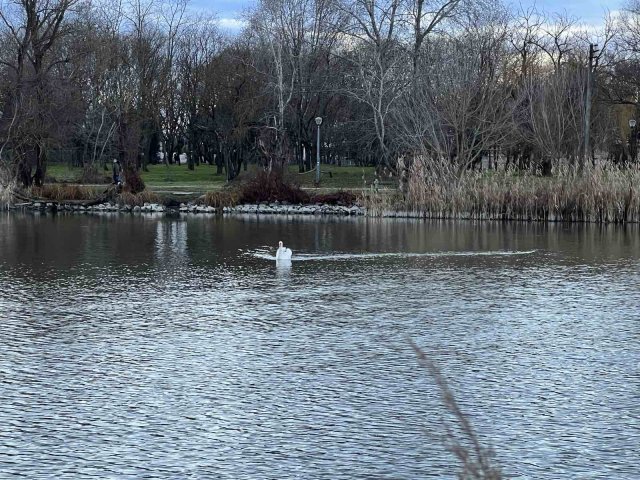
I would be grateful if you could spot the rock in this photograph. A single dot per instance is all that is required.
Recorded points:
(137, 209)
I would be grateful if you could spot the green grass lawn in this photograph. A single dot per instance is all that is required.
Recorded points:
(63, 172)
(203, 177)
(168, 175)
(336, 178)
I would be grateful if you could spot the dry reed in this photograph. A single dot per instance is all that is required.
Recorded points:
(595, 195)
(221, 199)
(476, 460)
(7, 191)
(380, 201)
(138, 199)
(63, 192)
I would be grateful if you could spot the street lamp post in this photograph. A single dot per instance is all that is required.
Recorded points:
(633, 141)
(318, 123)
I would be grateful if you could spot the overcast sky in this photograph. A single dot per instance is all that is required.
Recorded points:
(588, 11)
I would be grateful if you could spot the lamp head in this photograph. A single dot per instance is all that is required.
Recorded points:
(318, 121)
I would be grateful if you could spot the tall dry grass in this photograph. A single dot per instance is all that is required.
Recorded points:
(594, 195)
(221, 199)
(8, 186)
(138, 199)
(380, 201)
(64, 192)
(7, 193)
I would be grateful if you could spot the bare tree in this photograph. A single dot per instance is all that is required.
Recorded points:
(378, 63)
(461, 107)
(525, 39)
(425, 16)
(555, 114)
(558, 40)
(33, 27)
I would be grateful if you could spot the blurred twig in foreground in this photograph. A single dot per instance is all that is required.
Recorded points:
(463, 442)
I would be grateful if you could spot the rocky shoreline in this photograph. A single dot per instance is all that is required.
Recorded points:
(277, 208)
(274, 208)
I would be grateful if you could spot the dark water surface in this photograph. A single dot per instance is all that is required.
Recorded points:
(150, 347)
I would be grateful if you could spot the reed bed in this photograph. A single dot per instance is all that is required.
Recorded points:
(594, 195)
(63, 192)
(8, 187)
(7, 193)
(221, 199)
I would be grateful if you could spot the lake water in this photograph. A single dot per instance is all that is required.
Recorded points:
(158, 347)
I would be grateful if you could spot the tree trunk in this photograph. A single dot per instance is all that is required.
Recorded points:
(41, 166)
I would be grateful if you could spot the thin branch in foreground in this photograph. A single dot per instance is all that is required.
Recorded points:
(476, 460)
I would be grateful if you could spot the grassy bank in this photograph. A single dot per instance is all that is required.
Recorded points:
(204, 178)
(595, 196)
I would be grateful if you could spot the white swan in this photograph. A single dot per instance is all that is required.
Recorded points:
(283, 252)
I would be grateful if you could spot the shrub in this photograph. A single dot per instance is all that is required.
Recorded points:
(269, 187)
(93, 175)
(341, 197)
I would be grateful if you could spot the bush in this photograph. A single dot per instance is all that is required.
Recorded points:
(271, 187)
(341, 197)
(93, 175)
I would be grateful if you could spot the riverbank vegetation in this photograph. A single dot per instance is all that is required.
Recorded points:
(460, 105)
(204, 177)
(269, 187)
(595, 195)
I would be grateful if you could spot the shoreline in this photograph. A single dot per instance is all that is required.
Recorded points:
(275, 208)
(284, 209)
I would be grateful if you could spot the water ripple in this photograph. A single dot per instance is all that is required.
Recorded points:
(183, 354)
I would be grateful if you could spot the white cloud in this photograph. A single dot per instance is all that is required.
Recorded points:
(232, 23)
